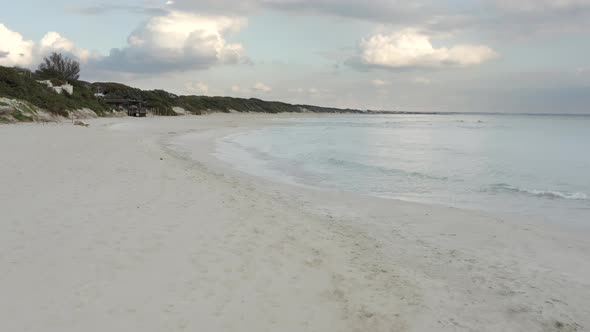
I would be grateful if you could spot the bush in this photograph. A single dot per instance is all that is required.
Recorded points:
(58, 82)
(17, 86)
(21, 117)
(58, 66)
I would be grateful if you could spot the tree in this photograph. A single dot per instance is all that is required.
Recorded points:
(58, 66)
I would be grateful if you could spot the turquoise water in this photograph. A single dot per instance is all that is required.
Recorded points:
(530, 166)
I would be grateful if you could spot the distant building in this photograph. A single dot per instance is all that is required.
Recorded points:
(24, 72)
(59, 89)
(132, 107)
(100, 93)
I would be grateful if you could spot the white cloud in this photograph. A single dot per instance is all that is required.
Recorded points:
(54, 42)
(245, 91)
(421, 80)
(310, 91)
(14, 50)
(378, 83)
(19, 52)
(178, 41)
(199, 88)
(261, 87)
(410, 48)
(507, 18)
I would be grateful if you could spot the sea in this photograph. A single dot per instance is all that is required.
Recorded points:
(533, 167)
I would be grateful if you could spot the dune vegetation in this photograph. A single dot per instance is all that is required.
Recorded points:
(24, 88)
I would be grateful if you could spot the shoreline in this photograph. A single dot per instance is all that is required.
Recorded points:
(252, 169)
(208, 247)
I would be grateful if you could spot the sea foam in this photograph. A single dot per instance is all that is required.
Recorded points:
(551, 194)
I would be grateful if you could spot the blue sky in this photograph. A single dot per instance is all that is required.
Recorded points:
(485, 55)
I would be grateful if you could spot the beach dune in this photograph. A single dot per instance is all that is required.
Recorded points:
(133, 225)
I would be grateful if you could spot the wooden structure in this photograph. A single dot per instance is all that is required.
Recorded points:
(133, 107)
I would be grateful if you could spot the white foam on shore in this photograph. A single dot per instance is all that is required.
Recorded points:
(551, 194)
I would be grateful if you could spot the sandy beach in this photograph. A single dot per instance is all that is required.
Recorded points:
(134, 225)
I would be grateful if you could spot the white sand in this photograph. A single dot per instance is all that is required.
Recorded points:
(98, 234)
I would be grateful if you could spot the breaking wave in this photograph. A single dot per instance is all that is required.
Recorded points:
(383, 170)
(550, 194)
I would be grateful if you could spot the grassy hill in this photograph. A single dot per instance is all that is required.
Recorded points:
(18, 84)
(21, 85)
(164, 102)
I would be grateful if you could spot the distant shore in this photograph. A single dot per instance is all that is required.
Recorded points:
(133, 225)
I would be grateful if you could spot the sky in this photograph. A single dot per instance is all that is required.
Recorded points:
(432, 55)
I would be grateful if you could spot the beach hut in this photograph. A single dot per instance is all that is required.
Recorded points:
(137, 110)
(132, 107)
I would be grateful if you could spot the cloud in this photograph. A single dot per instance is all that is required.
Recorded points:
(25, 53)
(102, 9)
(54, 42)
(535, 18)
(421, 80)
(199, 88)
(411, 49)
(217, 7)
(384, 11)
(15, 49)
(542, 5)
(378, 83)
(310, 91)
(425, 12)
(376, 10)
(261, 87)
(431, 15)
(506, 19)
(255, 89)
(178, 41)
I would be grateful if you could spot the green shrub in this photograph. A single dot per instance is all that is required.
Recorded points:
(20, 84)
(58, 82)
(14, 84)
(21, 117)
